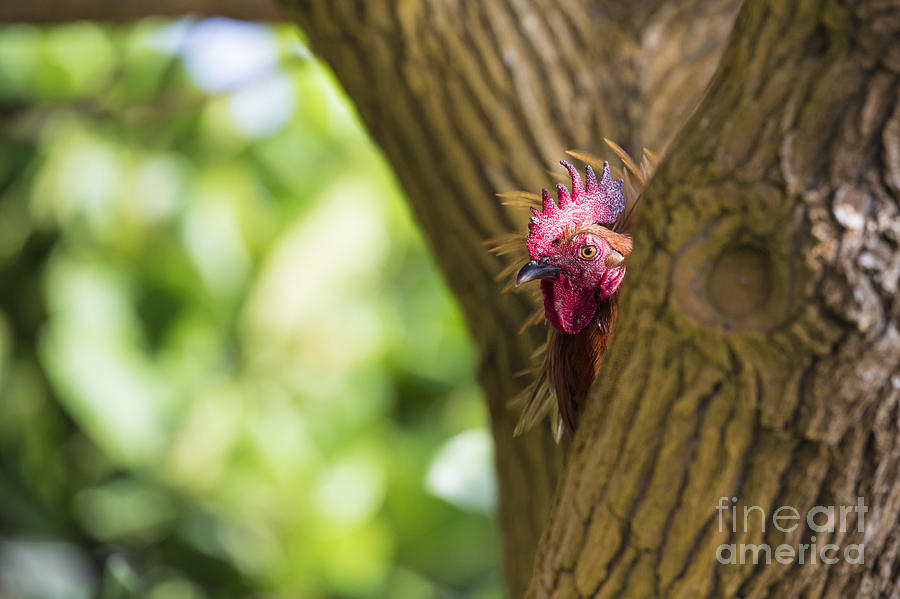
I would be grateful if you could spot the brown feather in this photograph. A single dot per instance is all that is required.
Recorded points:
(573, 361)
(617, 241)
(520, 199)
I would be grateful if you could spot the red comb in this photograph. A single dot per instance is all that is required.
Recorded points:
(595, 203)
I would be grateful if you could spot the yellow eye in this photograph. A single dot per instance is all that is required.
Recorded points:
(588, 252)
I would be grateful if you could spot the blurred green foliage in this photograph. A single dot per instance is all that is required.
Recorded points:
(228, 367)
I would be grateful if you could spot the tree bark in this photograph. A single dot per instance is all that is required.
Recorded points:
(468, 99)
(758, 344)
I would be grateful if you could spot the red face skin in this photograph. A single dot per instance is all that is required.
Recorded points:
(572, 296)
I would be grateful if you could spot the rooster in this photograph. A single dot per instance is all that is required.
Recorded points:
(577, 249)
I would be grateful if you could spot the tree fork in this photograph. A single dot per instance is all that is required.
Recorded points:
(471, 98)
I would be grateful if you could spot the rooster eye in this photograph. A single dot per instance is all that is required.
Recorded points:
(588, 252)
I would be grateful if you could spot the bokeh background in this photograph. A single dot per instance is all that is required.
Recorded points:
(228, 365)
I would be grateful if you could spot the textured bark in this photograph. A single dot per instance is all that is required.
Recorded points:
(758, 347)
(471, 98)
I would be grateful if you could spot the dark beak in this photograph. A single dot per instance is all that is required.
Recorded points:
(535, 270)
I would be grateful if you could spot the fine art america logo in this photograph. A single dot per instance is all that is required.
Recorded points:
(787, 519)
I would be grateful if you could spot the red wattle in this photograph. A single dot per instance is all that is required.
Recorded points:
(569, 308)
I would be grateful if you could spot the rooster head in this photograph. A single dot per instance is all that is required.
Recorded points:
(574, 251)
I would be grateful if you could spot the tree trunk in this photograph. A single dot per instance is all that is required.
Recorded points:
(471, 98)
(757, 344)
(758, 340)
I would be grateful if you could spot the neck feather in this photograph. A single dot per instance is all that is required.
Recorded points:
(574, 360)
